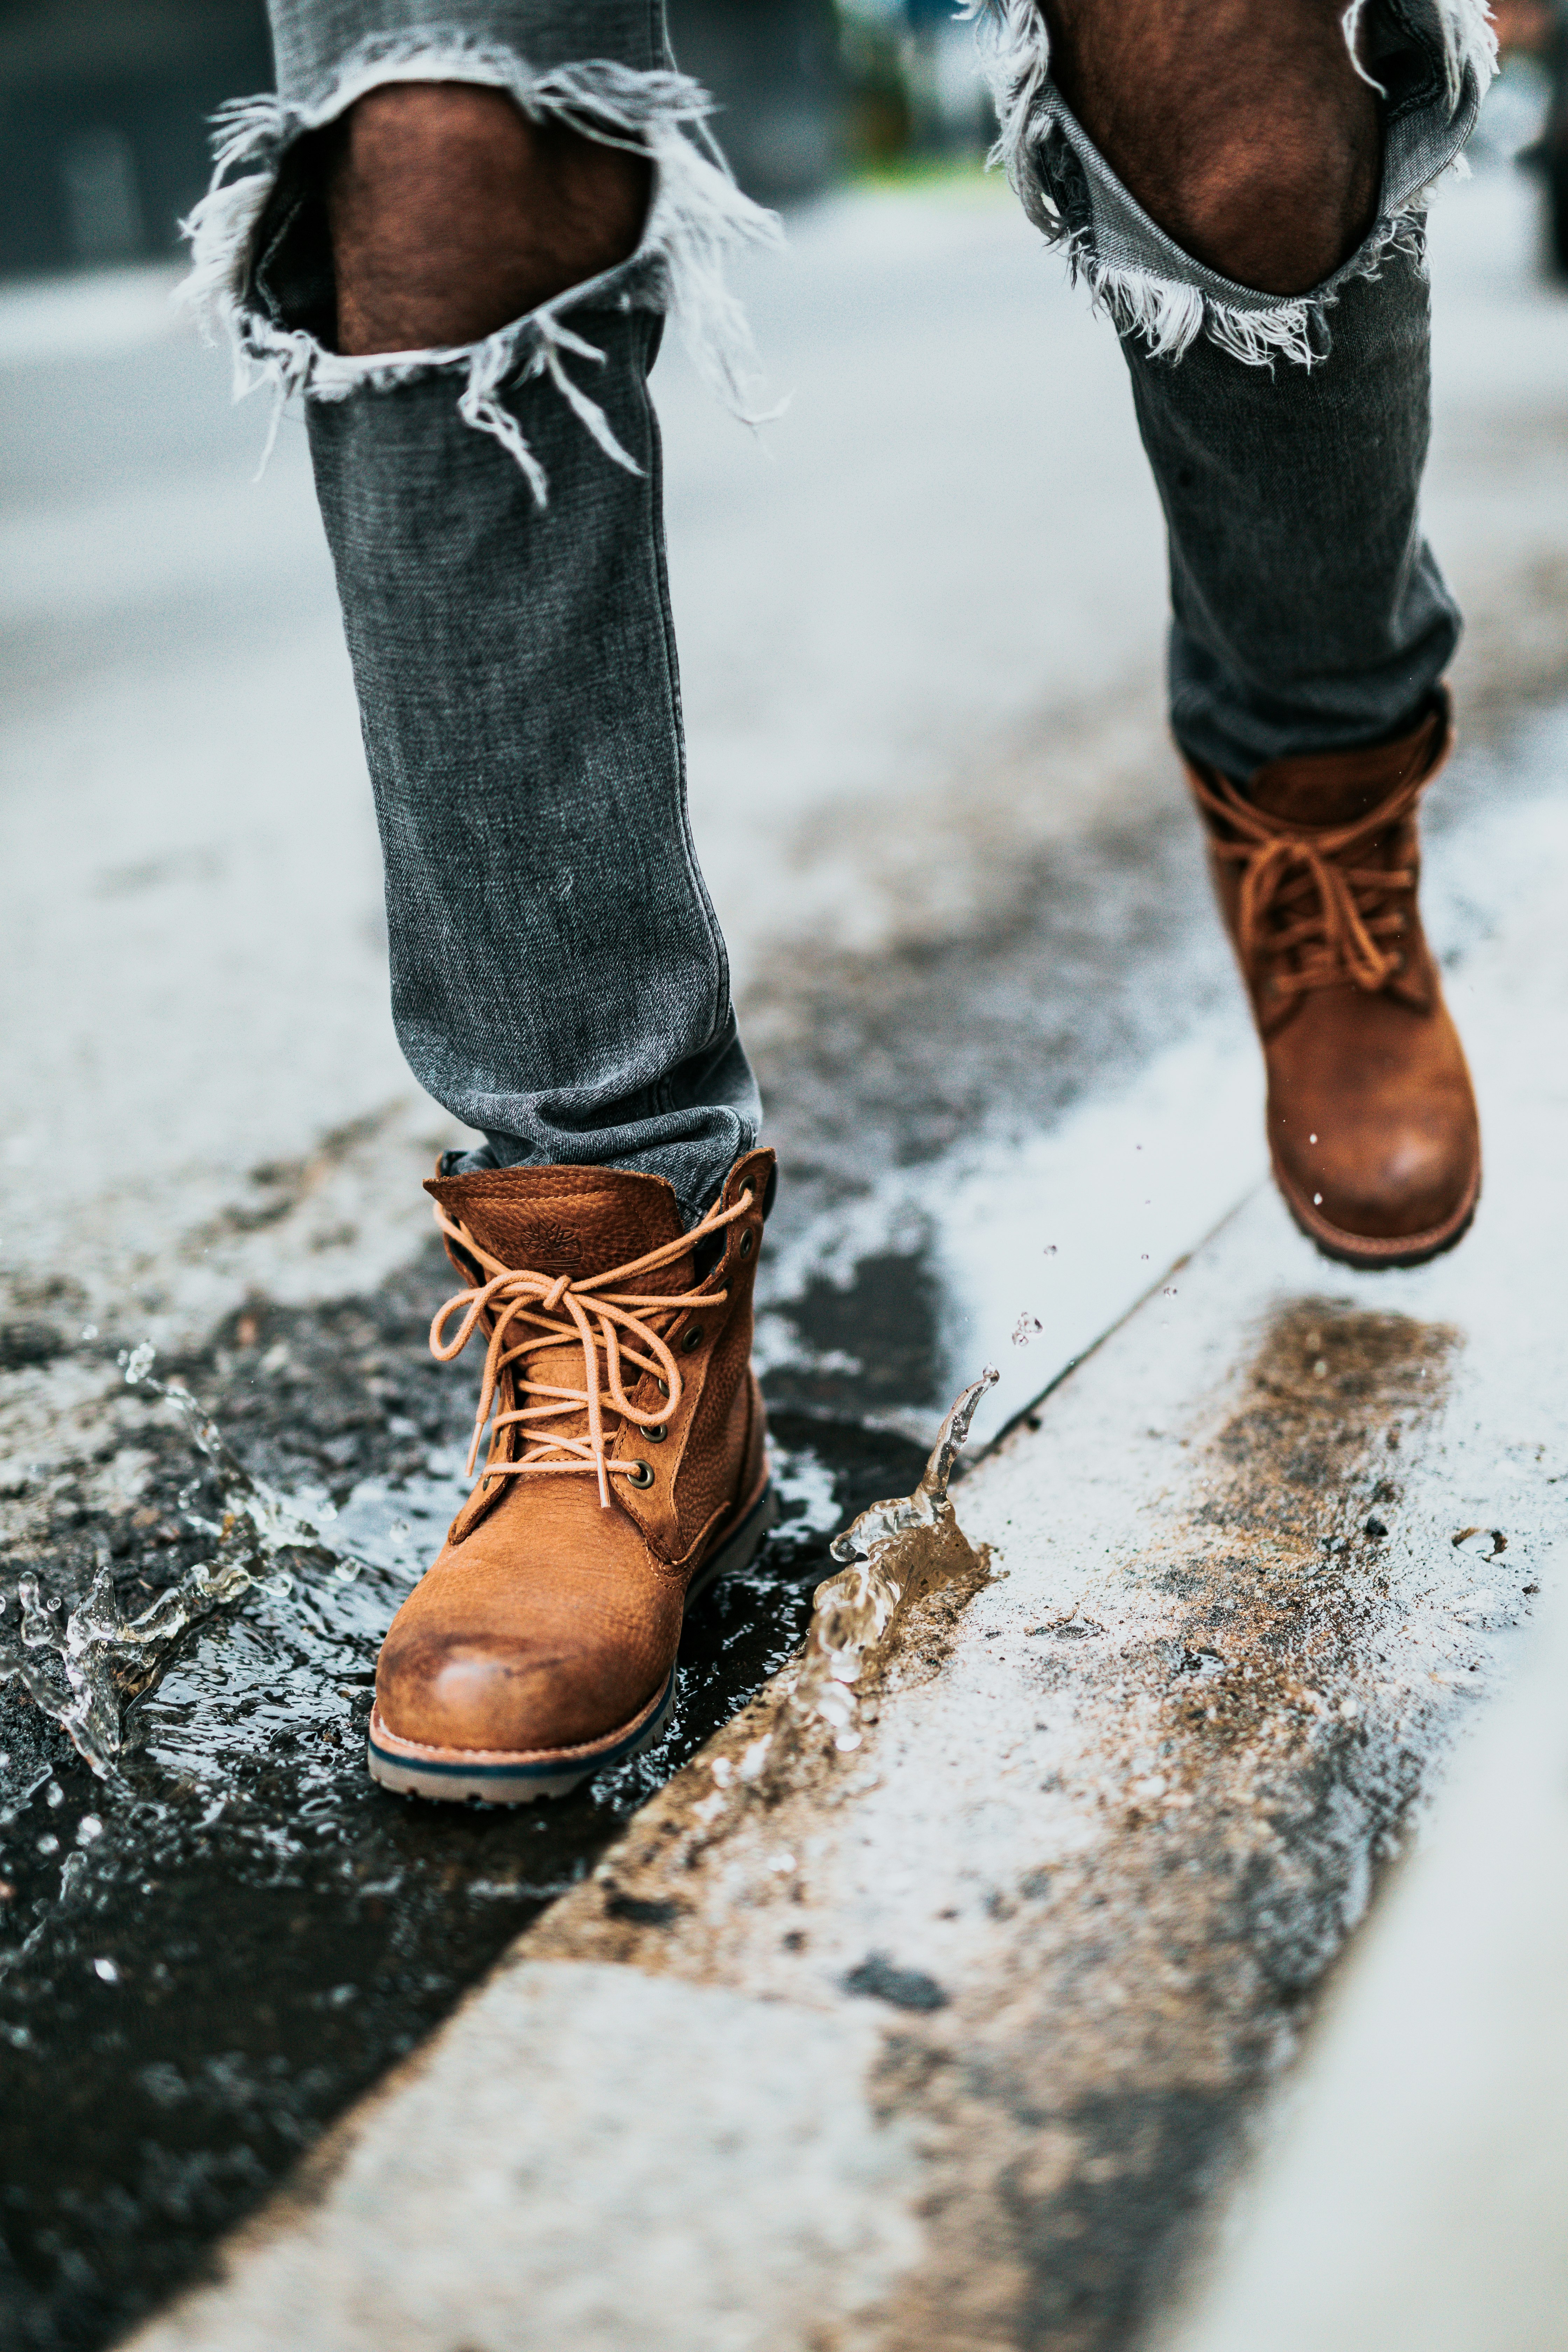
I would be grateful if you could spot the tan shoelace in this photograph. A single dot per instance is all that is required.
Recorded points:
(1304, 900)
(534, 1312)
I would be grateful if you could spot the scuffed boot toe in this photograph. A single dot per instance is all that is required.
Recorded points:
(455, 1692)
(1415, 1183)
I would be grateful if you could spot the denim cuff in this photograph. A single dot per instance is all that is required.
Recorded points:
(1430, 61)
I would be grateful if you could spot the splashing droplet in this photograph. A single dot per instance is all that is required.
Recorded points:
(85, 1668)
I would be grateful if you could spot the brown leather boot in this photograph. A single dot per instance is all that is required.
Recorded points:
(625, 1472)
(1371, 1119)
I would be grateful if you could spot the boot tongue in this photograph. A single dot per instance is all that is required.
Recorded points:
(1336, 788)
(578, 1221)
(573, 1221)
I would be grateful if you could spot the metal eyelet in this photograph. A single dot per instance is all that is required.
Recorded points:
(640, 1474)
(748, 1243)
(693, 1338)
(656, 1434)
(662, 1386)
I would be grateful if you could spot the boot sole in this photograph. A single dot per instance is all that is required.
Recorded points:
(1369, 1252)
(496, 1777)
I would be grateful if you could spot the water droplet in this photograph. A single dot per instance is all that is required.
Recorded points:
(1317, 1200)
(88, 1829)
(89, 1331)
(48, 1843)
(54, 1795)
(1311, 1139)
(107, 1971)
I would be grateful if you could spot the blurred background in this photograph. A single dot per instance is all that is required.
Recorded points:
(103, 104)
(920, 621)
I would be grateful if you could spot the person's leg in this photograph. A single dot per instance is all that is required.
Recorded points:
(460, 241)
(1248, 206)
(1282, 393)
(462, 248)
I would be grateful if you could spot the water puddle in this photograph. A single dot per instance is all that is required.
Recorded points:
(83, 1666)
(215, 1931)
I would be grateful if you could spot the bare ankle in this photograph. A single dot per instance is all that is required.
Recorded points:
(451, 214)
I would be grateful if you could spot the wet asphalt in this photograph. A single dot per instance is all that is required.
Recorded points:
(206, 1955)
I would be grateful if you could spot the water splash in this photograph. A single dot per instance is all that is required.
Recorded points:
(83, 1667)
(893, 1554)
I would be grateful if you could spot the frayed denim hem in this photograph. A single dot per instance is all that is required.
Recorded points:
(697, 216)
(1154, 291)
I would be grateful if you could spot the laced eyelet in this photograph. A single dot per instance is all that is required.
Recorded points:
(656, 1434)
(640, 1474)
(693, 1338)
(662, 1386)
(748, 1243)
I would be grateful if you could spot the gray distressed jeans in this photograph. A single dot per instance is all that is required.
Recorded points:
(559, 979)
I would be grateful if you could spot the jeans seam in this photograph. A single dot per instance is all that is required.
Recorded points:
(720, 999)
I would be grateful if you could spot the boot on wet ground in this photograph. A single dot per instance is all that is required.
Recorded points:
(626, 1471)
(1371, 1119)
